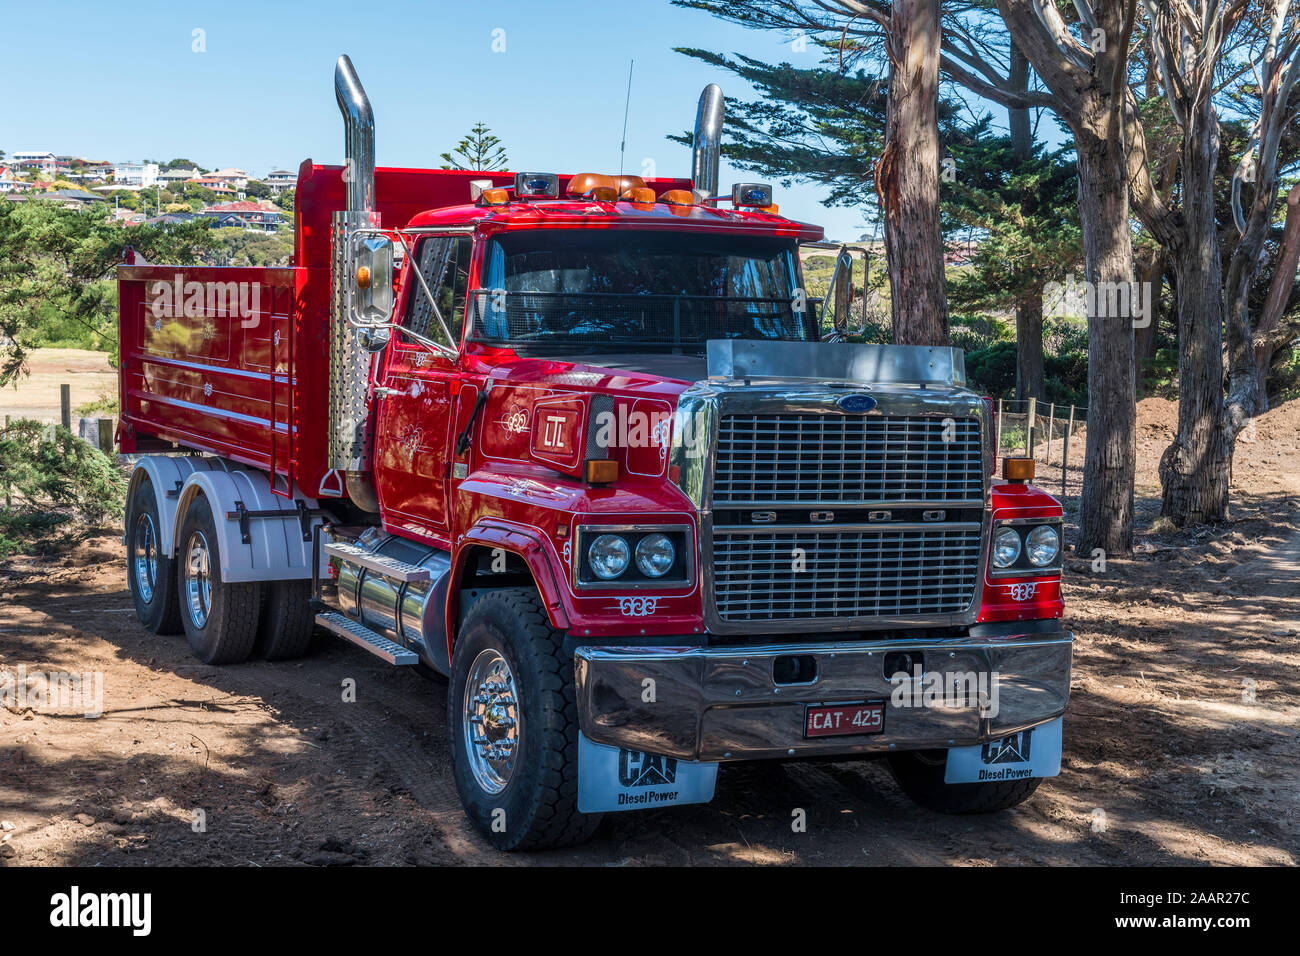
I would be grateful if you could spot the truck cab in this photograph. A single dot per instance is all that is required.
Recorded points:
(584, 445)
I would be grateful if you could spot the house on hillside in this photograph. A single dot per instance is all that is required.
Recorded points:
(234, 178)
(279, 180)
(244, 214)
(135, 174)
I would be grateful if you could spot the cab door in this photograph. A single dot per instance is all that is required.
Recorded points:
(413, 433)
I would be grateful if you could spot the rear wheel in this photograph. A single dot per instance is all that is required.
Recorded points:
(920, 774)
(220, 618)
(513, 722)
(150, 574)
(287, 621)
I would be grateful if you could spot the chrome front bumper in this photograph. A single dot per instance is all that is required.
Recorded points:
(722, 703)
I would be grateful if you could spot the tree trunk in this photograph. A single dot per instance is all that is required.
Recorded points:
(1196, 470)
(1150, 268)
(1106, 505)
(1279, 292)
(907, 177)
(1029, 346)
(1022, 137)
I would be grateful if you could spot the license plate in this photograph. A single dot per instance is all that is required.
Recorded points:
(843, 720)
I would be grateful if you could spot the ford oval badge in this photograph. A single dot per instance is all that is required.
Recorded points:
(856, 403)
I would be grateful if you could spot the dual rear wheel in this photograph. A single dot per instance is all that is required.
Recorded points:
(225, 622)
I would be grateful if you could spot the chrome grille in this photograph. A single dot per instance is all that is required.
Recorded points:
(766, 458)
(845, 574)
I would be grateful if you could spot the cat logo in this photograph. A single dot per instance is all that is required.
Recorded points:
(636, 769)
(1010, 749)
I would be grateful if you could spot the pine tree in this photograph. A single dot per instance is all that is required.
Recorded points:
(479, 149)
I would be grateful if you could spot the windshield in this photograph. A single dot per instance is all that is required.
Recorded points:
(616, 288)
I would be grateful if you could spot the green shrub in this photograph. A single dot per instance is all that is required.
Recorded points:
(49, 467)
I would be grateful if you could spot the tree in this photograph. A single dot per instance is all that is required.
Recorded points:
(61, 260)
(904, 36)
(479, 149)
(1024, 207)
(1199, 58)
(1088, 83)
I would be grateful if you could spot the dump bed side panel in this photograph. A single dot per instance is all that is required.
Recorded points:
(219, 360)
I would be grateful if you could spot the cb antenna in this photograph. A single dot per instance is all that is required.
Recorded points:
(622, 147)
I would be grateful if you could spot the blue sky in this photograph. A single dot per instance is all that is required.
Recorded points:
(122, 82)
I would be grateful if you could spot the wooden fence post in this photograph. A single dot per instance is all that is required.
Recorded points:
(1051, 424)
(997, 453)
(1065, 454)
(1030, 422)
(65, 404)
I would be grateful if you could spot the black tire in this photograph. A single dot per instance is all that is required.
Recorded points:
(157, 603)
(538, 806)
(288, 621)
(225, 630)
(920, 774)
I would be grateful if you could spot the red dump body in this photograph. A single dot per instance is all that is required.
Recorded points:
(234, 361)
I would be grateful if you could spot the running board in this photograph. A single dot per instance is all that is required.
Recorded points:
(388, 567)
(366, 639)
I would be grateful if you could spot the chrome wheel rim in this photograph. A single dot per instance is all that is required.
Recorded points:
(146, 557)
(493, 723)
(198, 579)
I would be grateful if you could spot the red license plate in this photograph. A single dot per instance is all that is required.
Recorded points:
(842, 720)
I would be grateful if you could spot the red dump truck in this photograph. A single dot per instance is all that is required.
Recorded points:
(582, 445)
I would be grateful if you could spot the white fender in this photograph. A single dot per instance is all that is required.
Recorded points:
(275, 550)
(167, 474)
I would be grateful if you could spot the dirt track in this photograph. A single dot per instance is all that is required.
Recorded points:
(1166, 760)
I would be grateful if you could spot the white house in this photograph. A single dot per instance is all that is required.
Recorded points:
(135, 174)
(279, 180)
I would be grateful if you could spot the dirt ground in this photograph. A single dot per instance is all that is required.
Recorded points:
(1180, 742)
(37, 396)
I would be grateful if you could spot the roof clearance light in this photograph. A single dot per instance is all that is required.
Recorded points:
(476, 187)
(537, 186)
(627, 181)
(494, 197)
(751, 194)
(678, 197)
(593, 186)
(639, 194)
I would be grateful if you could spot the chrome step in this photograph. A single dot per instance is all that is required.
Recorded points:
(388, 567)
(365, 638)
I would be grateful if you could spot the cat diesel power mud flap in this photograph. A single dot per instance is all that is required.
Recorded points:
(1035, 752)
(611, 779)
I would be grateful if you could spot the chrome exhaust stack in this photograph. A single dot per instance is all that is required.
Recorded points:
(706, 143)
(350, 434)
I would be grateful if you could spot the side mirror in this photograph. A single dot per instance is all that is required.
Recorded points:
(372, 280)
(373, 340)
(843, 292)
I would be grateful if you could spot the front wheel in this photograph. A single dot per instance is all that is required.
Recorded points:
(920, 774)
(513, 722)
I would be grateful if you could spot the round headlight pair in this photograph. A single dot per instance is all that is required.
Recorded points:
(610, 555)
(1042, 545)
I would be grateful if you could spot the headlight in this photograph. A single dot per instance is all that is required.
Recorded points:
(609, 556)
(1006, 548)
(1042, 546)
(655, 555)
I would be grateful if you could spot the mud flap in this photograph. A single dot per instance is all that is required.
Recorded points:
(1035, 752)
(610, 779)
